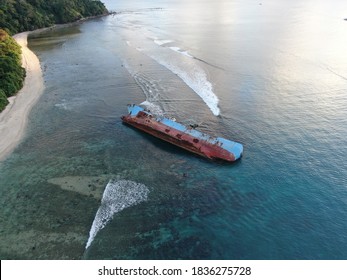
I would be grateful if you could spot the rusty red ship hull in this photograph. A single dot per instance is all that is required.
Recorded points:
(185, 137)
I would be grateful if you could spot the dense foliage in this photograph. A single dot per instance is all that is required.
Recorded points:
(11, 72)
(23, 15)
(3, 100)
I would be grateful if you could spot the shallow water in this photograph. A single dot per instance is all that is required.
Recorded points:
(270, 75)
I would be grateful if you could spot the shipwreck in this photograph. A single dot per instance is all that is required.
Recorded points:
(186, 137)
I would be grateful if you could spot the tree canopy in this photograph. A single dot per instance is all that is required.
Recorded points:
(25, 15)
(11, 72)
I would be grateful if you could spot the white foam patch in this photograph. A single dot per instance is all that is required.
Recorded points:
(70, 104)
(177, 49)
(197, 80)
(181, 64)
(63, 106)
(155, 109)
(149, 87)
(162, 42)
(117, 196)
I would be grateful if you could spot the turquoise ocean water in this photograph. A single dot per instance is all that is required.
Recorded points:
(269, 74)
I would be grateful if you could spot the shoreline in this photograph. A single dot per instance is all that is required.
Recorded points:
(14, 118)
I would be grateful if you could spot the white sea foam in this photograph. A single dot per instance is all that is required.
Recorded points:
(177, 49)
(185, 68)
(149, 87)
(70, 105)
(196, 79)
(63, 106)
(117, 196)
(162, 42)
(155, 109)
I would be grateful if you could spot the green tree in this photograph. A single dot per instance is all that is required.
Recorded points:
(23, 15)
(3, 100)
(11, 72)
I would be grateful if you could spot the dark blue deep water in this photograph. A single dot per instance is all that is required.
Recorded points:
(269, 74)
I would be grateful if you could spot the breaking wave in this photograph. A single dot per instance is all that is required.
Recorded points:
(162, 42)
(191, 74)
(176, 49)
(117, 196)
(196, 80)
(184, 67)
(183, 52)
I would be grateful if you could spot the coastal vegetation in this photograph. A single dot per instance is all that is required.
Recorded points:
(11, 72)
(26, 15)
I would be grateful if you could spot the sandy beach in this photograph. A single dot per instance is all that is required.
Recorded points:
(13, 119)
